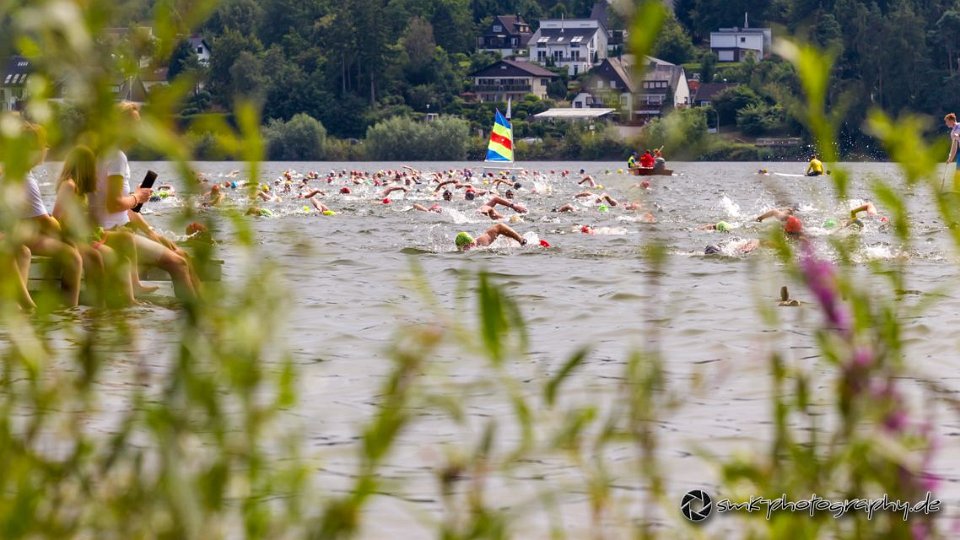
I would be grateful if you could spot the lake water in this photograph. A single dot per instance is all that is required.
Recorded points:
(349, 280)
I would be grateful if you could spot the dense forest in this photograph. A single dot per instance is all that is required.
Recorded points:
(352, 64)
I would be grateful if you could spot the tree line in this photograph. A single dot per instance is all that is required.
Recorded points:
(353, 64)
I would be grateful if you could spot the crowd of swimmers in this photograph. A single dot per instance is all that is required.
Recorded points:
(94, 232)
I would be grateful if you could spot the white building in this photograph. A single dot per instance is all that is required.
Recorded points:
(576, 44)
(736, 44)
(201, 48)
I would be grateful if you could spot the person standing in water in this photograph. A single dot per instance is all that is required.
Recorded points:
(815, 168)
(951, 121)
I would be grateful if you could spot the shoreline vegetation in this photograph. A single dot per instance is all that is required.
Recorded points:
(682, 134)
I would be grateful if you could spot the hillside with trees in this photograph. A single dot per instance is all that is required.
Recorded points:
(354, 64)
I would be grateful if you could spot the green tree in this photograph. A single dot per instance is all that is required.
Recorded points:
(730, 101)
(674, 44)
(302, 138)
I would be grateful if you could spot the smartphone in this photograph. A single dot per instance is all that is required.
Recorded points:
(148, 181)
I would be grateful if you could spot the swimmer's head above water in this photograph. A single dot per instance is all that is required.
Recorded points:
(711, 250)
(463, 240)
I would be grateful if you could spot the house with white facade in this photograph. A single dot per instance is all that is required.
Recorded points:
(574, 44)
(736, 44)
(200, 46)
(13, 82)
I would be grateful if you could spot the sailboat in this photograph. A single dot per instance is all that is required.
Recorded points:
(500, 147)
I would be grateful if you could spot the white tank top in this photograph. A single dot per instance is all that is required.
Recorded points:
(112, 164)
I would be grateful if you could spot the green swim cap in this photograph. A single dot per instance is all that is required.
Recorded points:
(722, 226)
(463, 239)
(603, 208)
(329, 213)
(829, 223)
(266, 212)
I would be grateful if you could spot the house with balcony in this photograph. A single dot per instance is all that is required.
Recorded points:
(574, 44)
(736, 44)
(507, 35)
(510, 79)
(13, 81)
(613, 84)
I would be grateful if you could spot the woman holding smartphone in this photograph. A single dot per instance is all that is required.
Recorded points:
(113, 209)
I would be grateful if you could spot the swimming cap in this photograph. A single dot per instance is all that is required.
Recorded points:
(619, 171)
(306, 208)
(793, 225)
(463, 239)
(386, 200)
(711, 250)
(829, 223)
(645, 184)
(329, 213)
(722, 226)
(233, 185)
(585, 229)
(603, 208)
(345, 190)
(265, 212)
(544, 243)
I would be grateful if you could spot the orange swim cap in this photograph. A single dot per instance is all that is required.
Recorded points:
(793, 225)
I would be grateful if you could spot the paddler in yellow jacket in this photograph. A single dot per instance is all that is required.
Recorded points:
(815, 168)
(632, 161)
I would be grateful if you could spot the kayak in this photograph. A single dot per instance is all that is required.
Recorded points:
(651, 172)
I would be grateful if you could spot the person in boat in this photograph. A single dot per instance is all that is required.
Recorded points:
(815, 167)
(647, 161)
(466, 242)
(632, 160)
(659, 162)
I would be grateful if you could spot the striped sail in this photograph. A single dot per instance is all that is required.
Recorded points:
(500, 149)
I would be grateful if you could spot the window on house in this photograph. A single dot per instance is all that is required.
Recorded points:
(599, 83)
(613, 84)
(743, 40)
(575, 55)
(497, 28)
(541, 56)
(543, 82)
(199, 50)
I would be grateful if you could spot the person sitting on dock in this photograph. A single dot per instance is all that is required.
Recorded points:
(466, 242)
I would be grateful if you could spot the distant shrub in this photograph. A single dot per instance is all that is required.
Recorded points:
(401, 138)
(302, 138)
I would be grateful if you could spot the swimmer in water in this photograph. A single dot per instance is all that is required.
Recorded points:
(737, 247)
(720, 226)
(466, 242)
(779, 213)
(488, 208)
